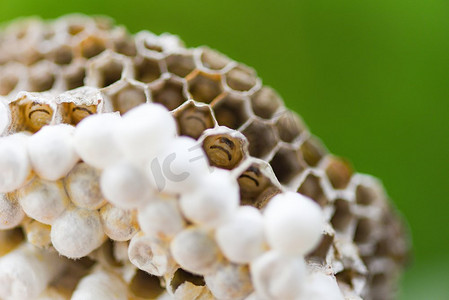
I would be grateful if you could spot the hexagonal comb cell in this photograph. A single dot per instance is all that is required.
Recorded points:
(312, 151)
(21, 43)
(381, 286)
(287, 164)
(391, 248)
(41, 78)
(213, 60)
(146, 70)
(346, 276)
(320, 252)
(109, 72)
(48, 33)
(342, 216)
(152, 45)
(20, 33)
(62, 55)
(31, 56)
(289, 126)
(108, 254)
(128, 98)
(261, 137)
(169, 93)
(181, 276)
(91, 46)
(339, 172)
(124, 44)
(241, 78)
(363, 231)
(365, 195)
(180, 64)
(266, 102)
(393, 244)
(10, 239)
(8, 82)
(193, 120)
(204, 87)
(252, 183)
(311, 187)
(224, 150)
(75, 28)
(74, 76)
(145, 286)
(231, 111)
(103, 23)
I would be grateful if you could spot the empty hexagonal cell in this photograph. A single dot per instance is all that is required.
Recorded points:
(103, 23)
(365, 195)
(10, 239)
(289, 126)
(287, 164)
(8, 82)
(252, 183)
(21, 31)
(312, 151)
(61, 55)
(109, 73)
(398, 238)
(41, 78)
(124, 44)
(180, 64)
(107, 253)
(261, 137)
(48, 33)
(213, 60)
(181, 276)
(151, 44)
(241, 78)
(393, 242)
(74, 76)
(346, 276)
(339, 172)
(381, 286)
(312, 188)
(386, 247)
(145, 286)
(231, 111)
(224, 150)
(320, 252)
(266, 102)
(364, 230)
(193, 120)
(146, 70)
(169, 93)
(92, 46)
(128, 98)
(342, 216)
(29, 56)
(204, 87)
(75, 28)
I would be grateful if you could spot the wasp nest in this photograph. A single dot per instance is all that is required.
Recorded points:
(135, 168)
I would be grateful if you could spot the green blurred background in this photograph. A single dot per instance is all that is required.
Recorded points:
(369, 77)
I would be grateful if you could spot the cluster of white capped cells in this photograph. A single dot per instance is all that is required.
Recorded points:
(131, 178)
